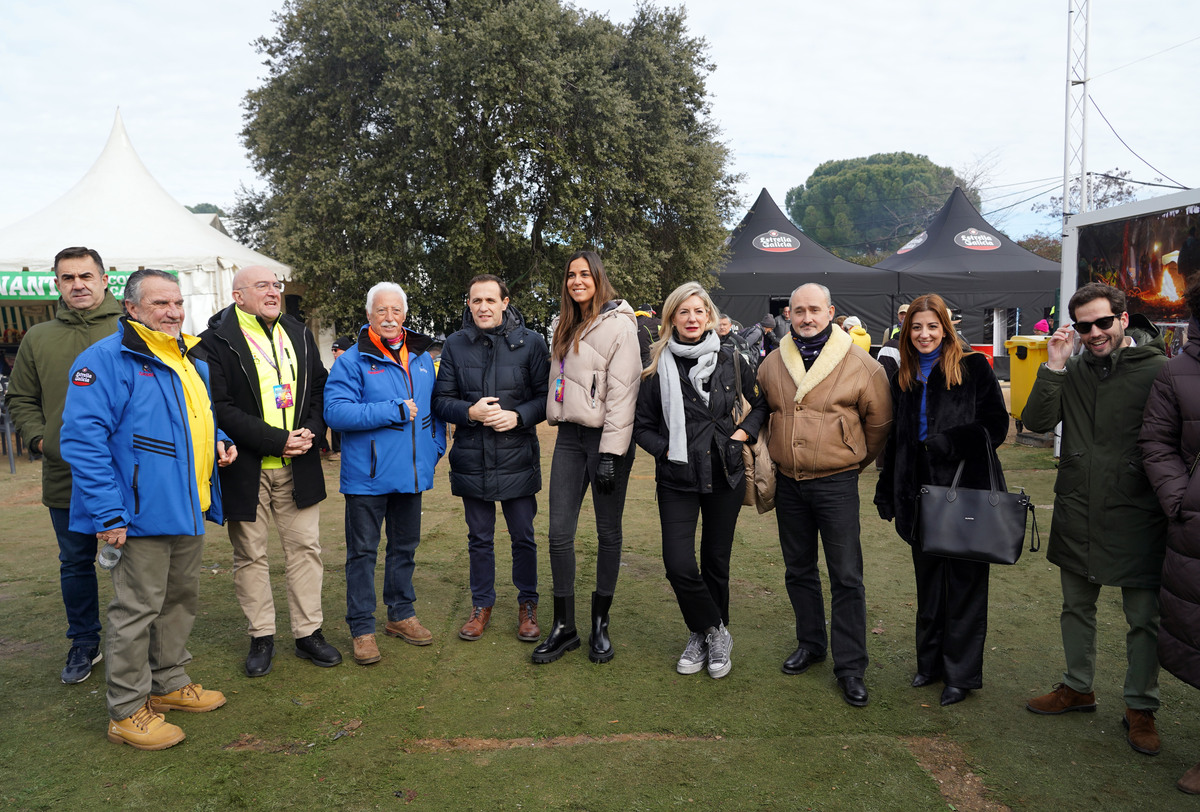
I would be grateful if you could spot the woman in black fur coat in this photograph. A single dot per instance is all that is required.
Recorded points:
(947, 408)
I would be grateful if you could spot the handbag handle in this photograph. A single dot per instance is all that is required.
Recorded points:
(993, 477)
(737, 383)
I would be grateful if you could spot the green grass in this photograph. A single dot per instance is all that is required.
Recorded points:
(461, 725)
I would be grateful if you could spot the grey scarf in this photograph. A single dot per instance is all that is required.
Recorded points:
(671, 390)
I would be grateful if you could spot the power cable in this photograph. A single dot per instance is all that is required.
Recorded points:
(1131, 150)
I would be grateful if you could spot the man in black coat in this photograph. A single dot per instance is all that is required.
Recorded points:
(268, 387)
(491, 385)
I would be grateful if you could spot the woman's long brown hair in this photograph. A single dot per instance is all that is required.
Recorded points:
(572, 318)
(952, 351)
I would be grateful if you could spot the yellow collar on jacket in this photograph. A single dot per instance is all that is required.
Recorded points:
(806, 380)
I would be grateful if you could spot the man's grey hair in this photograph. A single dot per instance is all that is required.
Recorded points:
(822, 288)
(723, 316)
(133, 285)
(385, 287)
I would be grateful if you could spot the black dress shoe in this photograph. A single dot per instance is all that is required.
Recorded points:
(314, 649)
(951, 695)
(921, 680)
(258, 661)
(800, 660)
(854, 690)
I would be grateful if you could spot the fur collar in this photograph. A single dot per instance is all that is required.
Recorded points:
(835, 350)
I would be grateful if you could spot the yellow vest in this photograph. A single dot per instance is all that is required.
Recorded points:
(275, 362)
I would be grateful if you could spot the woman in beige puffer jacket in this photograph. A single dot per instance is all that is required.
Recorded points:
(595, 372)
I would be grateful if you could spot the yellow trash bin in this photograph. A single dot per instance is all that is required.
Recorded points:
(1025, 354)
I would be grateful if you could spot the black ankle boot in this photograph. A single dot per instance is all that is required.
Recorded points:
(601, 647)
(563, 637)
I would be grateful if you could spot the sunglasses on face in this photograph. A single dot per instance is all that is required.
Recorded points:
(1085, 327)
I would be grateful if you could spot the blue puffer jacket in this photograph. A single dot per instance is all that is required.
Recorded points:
(383, 451)
(511, 364)
(125, 435)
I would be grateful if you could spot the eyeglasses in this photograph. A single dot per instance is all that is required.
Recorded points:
(263, 287)
(389, 311)
(1085, 327)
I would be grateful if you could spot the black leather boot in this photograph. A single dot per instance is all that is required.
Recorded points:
(563, 637)
(601, 647)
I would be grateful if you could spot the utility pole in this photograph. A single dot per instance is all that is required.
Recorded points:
(1077, 200)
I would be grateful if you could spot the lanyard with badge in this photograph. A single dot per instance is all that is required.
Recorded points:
(281, 390)
(560, 384)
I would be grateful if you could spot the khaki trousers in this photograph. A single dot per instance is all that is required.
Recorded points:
(156, 591)
(299, 535)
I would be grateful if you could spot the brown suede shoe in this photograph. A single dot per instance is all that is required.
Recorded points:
(366, 650)
(1190, 782)
(473, 628)
(409, 630)
(527, 625)
(1141, 736)
(1061, 700)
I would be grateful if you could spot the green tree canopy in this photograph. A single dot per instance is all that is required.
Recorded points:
(863, 206)
(429, 142)
(206, 208)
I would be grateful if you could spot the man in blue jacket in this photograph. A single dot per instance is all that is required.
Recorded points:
(140, 437)
(378, 396)
(492, 386)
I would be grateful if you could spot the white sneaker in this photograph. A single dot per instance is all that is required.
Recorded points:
(694, 656)
(720, 647)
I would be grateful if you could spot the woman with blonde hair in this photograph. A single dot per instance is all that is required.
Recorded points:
(685, 420)
(595, 371)
(947, 408)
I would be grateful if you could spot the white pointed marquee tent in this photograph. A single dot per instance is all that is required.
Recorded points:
(119, 209)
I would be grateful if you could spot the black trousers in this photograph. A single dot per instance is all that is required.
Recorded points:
(827, 507)
(952, 602)
(702, 590)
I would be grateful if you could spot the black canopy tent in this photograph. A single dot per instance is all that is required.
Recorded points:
(770, 257)
(974, 267)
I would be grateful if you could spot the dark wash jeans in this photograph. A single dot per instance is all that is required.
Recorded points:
(702, 590)
(481, 534)
(573, 469)
(365, 514)
(827, 506)
(77, 579)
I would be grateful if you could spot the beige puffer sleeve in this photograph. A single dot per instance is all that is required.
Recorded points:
(624, 375)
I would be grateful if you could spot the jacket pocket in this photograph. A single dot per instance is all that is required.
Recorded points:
(137, 500)
(372, 474)
(852, 436)
(1071, 474)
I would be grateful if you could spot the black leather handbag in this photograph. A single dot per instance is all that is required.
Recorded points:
(976, 524)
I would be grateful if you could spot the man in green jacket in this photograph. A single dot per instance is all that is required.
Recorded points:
(37, 391)
(1108, 529)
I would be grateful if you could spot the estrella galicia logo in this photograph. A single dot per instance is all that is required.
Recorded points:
(914, 243)
(775, 242)
(975, 240)
(83, 377)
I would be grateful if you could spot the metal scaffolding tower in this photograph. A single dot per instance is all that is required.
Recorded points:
(1076, 196)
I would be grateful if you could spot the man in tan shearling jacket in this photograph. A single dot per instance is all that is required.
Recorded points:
(830, 414)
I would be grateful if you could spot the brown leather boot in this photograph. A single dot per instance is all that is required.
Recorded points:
(527, 625)
(409, 630)
(1190, 782)
(473, 628)
(1062, 699)
(1141, 736)
(366, 650)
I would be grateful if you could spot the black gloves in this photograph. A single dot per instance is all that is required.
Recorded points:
(606, 474)
(939, 447)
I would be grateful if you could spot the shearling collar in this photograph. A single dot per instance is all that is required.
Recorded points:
(806, 380)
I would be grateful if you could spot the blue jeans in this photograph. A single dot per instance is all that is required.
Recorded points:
(481, 534)
(365, 515)
(77, 577)
(828, 506)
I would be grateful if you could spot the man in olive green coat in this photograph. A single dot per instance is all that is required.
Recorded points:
(37, 391)
(1108, 529)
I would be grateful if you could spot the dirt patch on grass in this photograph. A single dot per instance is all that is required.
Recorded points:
(944, 760)
(248, 742)
(11, 646)
(471, 745)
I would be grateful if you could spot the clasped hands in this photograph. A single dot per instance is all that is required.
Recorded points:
(487, 411)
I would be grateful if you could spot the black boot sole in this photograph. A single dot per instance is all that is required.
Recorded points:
(543, 657)
(600, 656)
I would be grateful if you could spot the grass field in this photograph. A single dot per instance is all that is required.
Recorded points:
(459, 725)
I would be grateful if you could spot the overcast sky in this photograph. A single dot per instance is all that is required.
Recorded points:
(796, 83)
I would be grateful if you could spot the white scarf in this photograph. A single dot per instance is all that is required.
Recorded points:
(671, 390)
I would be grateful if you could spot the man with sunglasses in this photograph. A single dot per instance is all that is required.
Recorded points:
(268, 386)
(1108, 529)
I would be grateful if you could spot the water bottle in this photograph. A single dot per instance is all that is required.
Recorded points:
(108, 556)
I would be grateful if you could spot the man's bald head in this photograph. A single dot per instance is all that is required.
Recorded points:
(256, 291)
